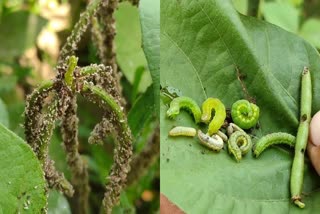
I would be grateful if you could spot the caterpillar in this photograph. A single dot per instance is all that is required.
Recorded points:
(245, 114)
(214, 142)
(239, 144)
(272, 139)
(232, 128)
(184, 103)
(183, 131)
(219, 116)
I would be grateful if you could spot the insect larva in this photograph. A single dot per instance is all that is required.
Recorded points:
(184, 103)
(245, 114)
(239, 144)
(223, 136)
(296, 179)
(232, 128)
(219, 115)
(183, 131)
(214, 142)
(272, 139)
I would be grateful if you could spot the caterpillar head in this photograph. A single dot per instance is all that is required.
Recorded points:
(173, 112)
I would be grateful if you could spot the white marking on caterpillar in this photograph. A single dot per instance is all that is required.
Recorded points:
(214, 142)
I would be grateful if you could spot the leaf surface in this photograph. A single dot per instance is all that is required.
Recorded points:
(150, 25)
(22, 183)
(202, 44)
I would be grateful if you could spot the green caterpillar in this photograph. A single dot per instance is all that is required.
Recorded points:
(184, 103)
(182, 131)
(272, 139)
(219, 116)
(239, 144)
(245, 114)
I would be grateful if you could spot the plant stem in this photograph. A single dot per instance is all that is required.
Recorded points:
(146, 158)
(123, 149)
(77, 165)
(81, 26)
(105, 34)
(38, 129)
(296, 179)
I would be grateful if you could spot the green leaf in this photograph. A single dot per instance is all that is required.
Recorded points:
(57, 203)
(18, 32)
(201, 44)
(150, 24)
(130, 55)
(4, 116)
(241, 6)
(22, 186)
(282, 14)
(137, 119)
(310, 31)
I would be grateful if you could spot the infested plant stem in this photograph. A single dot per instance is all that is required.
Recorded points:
(104, 32)
(38, 128)
(123, 149)
(72, 41)
(77, 165)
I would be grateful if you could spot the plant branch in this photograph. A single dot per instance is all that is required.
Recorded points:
(81, 26)
(77, 165)
(123, 149)
(38, 129)
(104, 32)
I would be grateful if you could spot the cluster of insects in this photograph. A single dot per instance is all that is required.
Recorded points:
(245, 115)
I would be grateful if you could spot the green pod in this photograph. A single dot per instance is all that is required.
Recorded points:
(220, 114)
(245, 114)
(184, 103)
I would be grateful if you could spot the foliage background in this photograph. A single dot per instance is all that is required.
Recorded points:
(31, 33)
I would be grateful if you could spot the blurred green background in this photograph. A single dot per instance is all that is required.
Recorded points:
(31, 34)
(301, 17)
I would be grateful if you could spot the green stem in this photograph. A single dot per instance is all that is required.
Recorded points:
(296, 179)
(79, 29)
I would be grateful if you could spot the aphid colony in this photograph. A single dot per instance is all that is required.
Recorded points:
(245, 115)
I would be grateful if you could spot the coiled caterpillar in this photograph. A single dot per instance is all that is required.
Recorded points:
(183, 131)
(232, 128)
(245, 114)
(239, 144)
(184, 103)
(214, 142)
(272, 139)
(219, 116)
